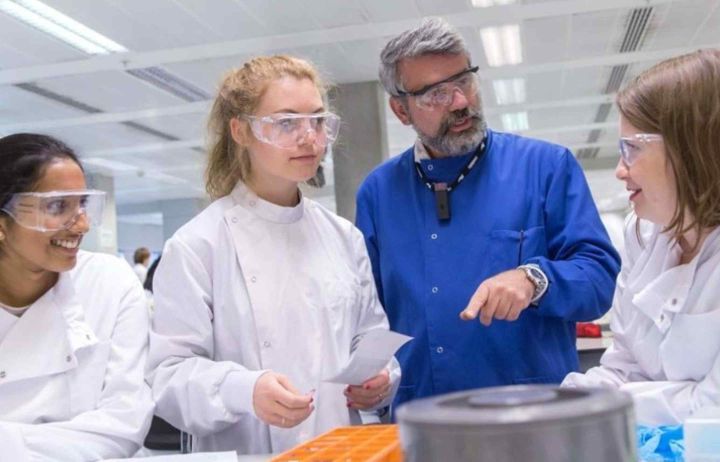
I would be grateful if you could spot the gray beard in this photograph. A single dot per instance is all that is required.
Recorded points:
(447, 143)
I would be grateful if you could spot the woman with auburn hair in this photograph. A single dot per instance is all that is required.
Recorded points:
(262, 295)
(73, 324)
(666, 311)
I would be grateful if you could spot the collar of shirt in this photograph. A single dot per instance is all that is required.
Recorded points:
(15, 311)
(246, 198)
(444, 169)
(420, 151)
(7, 321)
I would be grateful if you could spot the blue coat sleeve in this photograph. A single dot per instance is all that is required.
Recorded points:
(582, 265)
(366, 224)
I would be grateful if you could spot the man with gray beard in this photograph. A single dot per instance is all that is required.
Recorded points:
(471, 224)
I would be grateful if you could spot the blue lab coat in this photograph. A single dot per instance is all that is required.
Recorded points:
(525, 201)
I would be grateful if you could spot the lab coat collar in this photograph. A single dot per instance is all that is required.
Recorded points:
(665, 286)
(44, 340)
(245, 197)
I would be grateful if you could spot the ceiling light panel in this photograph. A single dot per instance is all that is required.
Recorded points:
(515, 121)
(50, 21)
(488, 3)
(509, 91)
(502, 45)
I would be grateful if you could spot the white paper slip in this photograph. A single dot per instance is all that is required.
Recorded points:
(196, 457)
(372, 353)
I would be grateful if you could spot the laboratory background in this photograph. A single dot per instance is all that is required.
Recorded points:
(128, 84)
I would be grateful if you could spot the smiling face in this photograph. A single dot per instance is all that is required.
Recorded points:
(446, 131)
(272, 165)
(35, 251)
(650, 178)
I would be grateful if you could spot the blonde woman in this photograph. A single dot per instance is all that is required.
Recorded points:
(260, 296)
(666, 314)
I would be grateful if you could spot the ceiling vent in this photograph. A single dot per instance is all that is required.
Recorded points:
(635, 32)
(75, 104)
(164, 80)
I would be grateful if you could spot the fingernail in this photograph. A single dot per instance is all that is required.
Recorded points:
(367, 387)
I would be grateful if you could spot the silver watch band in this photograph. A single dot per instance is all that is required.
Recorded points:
(538, 278)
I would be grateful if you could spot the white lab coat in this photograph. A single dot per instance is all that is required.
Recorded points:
(666, 325)
(71, 368)
(248, 286)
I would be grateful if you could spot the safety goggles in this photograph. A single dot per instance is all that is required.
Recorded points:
(55, 210)
(440, 94)
(632, 146)
(289, 130)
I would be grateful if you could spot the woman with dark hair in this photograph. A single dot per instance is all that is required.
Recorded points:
(666, 314)
(73, 324)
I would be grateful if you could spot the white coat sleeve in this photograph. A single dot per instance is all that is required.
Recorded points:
(117, 427)
(192, 391)
(371, 314)
(617, 365)
(670, 403)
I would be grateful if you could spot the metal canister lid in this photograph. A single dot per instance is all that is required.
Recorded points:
(515, 404)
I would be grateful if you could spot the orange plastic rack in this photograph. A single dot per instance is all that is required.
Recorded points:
(369, 443)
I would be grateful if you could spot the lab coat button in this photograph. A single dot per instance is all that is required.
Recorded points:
(662, 317)
(2, 374)
(674, 301)
(267, 344)
(434, 290)
(433, 236)
(68, 358)
(234, 219)
(440, 350)
(253, 279)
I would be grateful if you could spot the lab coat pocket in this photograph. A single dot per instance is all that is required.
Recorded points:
(338, 301)
(691, 346)
(509, 248)
(87, 380)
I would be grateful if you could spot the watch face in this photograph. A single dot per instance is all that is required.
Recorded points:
(536, 273)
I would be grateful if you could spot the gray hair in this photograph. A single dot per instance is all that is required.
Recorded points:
(432, 36)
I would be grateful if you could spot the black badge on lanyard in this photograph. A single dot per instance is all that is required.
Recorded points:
(442, 201)
(442, 190)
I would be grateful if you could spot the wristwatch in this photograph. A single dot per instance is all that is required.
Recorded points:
(538, 279)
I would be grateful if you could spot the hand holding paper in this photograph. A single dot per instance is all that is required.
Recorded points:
(369, 394)
(371, 354)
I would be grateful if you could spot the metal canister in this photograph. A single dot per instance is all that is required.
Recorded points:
(520, 423)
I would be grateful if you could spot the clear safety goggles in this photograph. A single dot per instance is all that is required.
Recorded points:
(289, 130)
(440, 94)
(632, 146)
(55, 210)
